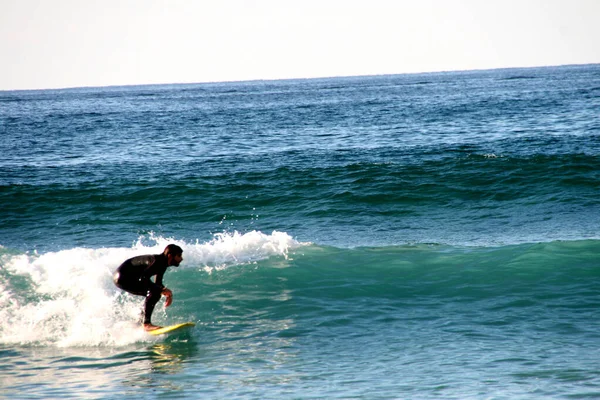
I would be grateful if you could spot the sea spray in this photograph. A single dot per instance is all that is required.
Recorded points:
(68, 297)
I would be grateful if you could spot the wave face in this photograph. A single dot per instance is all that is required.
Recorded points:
(413, 236)
(68, 297)
(286, 308)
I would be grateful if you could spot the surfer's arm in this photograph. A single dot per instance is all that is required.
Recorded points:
(164, 290)
(169, 296)
(148, 271)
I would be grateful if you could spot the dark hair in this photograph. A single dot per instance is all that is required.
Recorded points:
(173, 249)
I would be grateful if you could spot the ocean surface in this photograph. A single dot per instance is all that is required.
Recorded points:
(422, 236)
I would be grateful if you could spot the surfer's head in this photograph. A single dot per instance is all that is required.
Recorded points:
(174, 254)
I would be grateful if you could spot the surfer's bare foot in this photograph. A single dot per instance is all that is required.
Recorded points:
(150, 327)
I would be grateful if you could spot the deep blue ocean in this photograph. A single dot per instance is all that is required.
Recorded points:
(420, 236)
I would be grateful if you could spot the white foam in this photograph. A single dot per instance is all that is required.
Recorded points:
(234, 249)
(70, 299)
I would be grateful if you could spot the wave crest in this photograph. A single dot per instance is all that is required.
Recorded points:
(67, 298)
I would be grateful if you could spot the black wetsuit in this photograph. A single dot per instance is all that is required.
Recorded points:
(134, 275)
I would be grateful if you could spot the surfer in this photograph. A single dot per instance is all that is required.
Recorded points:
(133, 276)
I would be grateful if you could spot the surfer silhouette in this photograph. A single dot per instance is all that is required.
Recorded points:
(133, 276)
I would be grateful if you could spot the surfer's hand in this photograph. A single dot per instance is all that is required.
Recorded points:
(169, 295)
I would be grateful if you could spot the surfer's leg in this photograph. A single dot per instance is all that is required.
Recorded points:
(137, 287)
(152, 297)
(130, 285)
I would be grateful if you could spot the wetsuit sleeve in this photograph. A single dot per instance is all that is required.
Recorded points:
(159, 278)
(149, 271)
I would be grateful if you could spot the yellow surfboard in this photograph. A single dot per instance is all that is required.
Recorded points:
(171, 328)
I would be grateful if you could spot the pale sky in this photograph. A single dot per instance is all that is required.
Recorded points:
(73, 43)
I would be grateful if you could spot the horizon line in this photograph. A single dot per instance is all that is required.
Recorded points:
(59, 88)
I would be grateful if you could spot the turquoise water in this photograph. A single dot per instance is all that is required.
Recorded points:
(409, 236)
